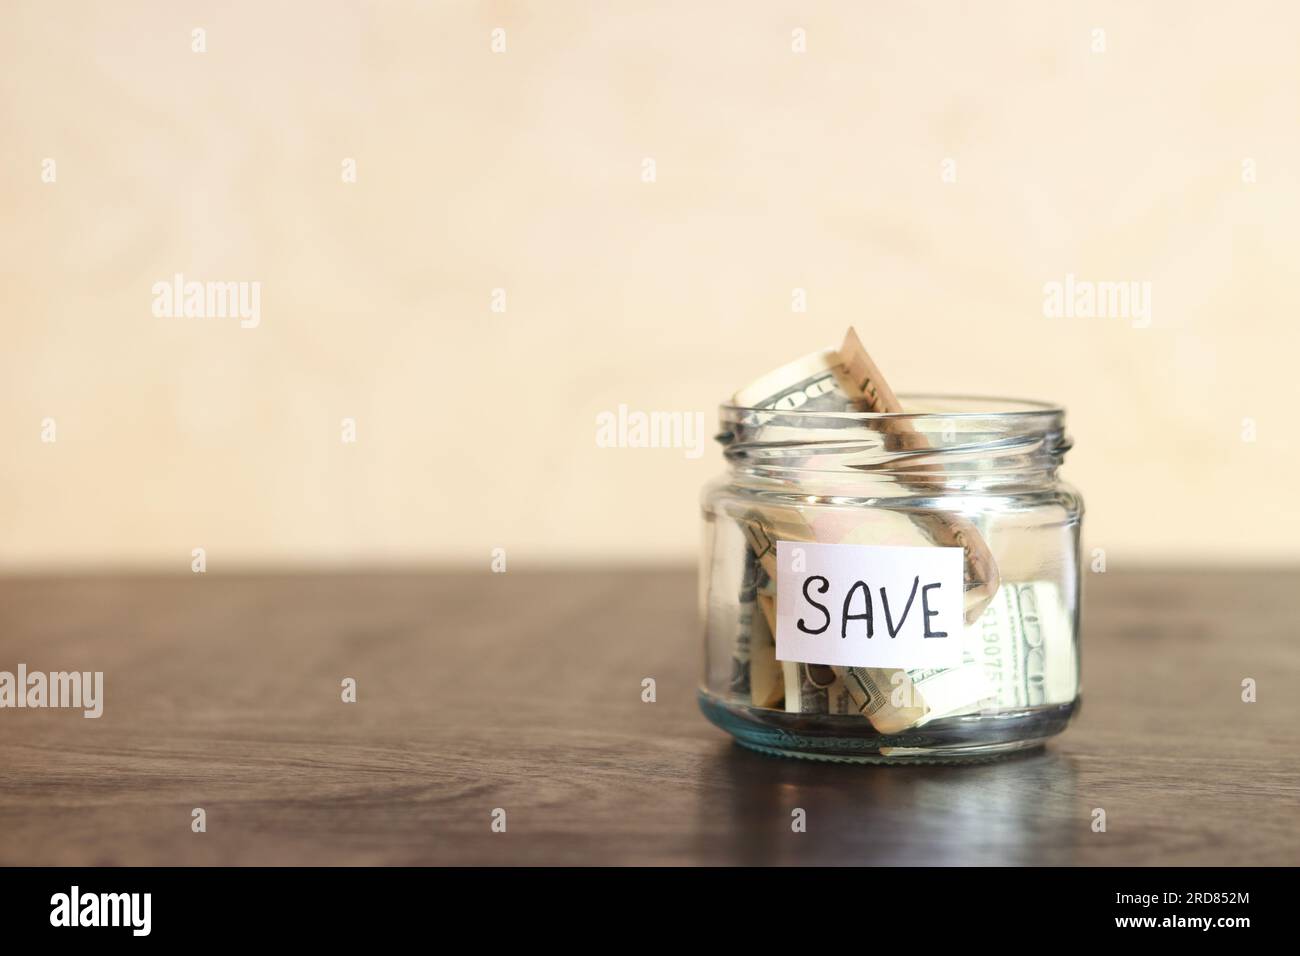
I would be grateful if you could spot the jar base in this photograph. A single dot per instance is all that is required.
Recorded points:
(974, 738)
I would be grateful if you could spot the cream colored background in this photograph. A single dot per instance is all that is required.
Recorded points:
(522, 170)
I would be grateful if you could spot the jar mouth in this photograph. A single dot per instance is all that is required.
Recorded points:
(951, 440)
(918, 407)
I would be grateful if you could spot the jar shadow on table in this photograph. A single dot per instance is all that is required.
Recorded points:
(1022, 809)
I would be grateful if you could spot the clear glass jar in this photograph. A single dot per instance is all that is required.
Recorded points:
(979, 473)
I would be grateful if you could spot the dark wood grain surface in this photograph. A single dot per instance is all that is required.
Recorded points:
(522, 691)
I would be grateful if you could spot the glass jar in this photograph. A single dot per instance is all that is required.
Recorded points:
(976, 477)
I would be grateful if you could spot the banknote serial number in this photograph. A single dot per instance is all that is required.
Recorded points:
(1194, 896)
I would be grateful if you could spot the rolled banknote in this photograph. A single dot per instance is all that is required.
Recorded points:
(756, 674)
(848, 379)
(890, 698)
(815, 382)
(745, 611)
(809, 383)
(1018, 655)
(891, 707)
(766, 680)
(945, 529)
(1024, 646)
(813, 689)
(834, 380)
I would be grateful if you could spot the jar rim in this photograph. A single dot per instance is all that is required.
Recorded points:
(978, 406)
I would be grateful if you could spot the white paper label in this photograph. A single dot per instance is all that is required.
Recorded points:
(862, 605)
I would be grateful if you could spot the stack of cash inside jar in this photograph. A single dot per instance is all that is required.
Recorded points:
(1012, 631)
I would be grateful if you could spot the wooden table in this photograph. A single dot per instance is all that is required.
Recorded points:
(522, 691)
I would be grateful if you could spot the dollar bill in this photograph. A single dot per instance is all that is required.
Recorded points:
(847, 379)
(767, 680)
(746, 608)
(946, 530)
(1024, 645)
(813, 689)
(1020, 654)
(815, 382)
(890, 698)
(756, 675)
(885, 697)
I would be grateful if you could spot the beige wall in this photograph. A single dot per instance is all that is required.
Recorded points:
(522, 170)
